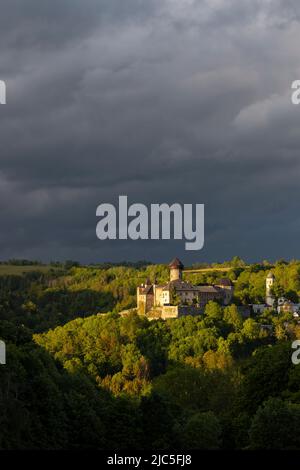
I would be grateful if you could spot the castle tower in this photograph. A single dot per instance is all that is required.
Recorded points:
(145, 297)
(176, 268)
(270, 299)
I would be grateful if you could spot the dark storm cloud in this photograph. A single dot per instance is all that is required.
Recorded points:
(165, 101)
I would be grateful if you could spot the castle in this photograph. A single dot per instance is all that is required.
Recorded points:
(179, 297)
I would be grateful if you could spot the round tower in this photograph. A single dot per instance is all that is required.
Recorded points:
(270, 299)
(176, 268)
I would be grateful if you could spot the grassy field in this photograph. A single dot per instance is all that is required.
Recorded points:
(204, 270)
(19, 270)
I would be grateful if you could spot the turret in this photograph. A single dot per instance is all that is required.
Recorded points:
(270, 299)
(176, 268)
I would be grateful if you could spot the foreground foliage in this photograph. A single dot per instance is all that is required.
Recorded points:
(77, 377)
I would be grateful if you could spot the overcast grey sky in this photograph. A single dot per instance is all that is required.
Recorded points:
(163, 100)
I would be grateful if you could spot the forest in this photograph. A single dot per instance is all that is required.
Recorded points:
(80, 376)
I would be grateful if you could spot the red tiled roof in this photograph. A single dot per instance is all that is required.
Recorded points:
(176, 263)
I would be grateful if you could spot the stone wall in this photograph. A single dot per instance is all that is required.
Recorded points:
(169, 311)
(172, 311)
(189, 310)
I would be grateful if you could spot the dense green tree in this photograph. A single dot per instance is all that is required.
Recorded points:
(275, 426)
(201, 431)
(265, 375)
(233, 317)
(159, 419)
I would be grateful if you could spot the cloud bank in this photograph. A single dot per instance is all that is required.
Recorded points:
(164, 101)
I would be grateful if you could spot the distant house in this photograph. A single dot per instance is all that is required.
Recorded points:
(285, 305)
(258, 308)
(282, 304)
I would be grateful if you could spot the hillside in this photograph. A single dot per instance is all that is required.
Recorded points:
(82, 376)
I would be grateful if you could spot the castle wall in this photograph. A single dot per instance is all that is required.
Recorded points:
(187, 296)
(172, 311)
(161, 297)
(205, 297)
(145, 302)
(189, 310)
(169, 311)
